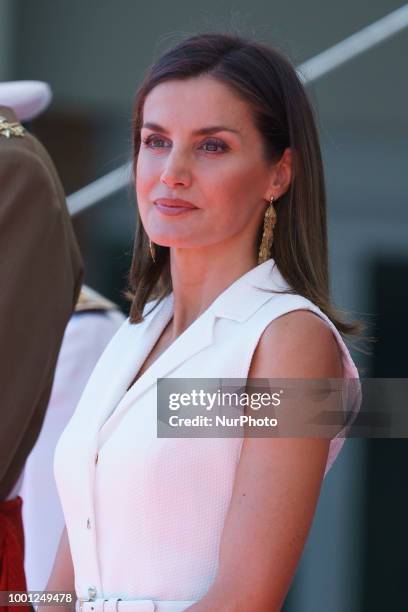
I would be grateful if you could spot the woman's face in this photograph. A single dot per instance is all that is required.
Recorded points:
(221, 171)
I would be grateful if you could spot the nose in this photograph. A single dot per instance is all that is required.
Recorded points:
(175, 171)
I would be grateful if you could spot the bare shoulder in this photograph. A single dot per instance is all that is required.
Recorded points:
(298, 344)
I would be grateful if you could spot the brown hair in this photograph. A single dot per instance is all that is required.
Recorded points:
(262, 76)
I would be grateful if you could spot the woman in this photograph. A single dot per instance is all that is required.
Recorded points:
(232, 246)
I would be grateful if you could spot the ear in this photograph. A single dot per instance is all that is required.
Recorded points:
(281, 175)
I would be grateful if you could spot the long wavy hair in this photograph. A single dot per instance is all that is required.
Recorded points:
(263, 77)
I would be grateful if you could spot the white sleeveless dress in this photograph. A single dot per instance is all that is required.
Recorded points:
(144, 515)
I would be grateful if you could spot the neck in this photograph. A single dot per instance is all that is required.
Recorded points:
(199, 276)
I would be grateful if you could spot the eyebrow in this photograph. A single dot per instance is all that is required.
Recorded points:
(202, 131)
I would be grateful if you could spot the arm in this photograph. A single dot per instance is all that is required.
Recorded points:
(62, 574)
(278, 480)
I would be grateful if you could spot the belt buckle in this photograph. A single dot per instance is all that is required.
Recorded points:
(110, 600)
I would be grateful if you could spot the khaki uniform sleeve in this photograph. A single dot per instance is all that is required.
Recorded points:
(40, 278)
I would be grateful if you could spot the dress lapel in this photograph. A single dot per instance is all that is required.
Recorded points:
(117, 366)
(195, 338)
(236, 302)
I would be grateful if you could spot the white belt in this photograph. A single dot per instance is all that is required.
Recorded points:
(129, 605)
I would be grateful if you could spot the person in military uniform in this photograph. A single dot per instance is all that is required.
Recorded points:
(41, 272)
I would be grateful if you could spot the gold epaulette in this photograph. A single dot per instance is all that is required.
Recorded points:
(91, 300)
(10, 128)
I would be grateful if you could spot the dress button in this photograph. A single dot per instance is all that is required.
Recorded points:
(96, 458)
(88, 524)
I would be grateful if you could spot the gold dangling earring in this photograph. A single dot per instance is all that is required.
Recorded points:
(267, 236)
(152, 250)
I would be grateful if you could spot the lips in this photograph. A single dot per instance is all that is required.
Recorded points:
(174, 203)
(173, 207)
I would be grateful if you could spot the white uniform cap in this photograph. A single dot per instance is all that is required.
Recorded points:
(26, 98)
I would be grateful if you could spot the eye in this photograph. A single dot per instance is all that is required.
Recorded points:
(152, 139)
(215, 145)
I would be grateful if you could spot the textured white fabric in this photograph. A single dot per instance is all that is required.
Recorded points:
(85, 338)
(145, 520)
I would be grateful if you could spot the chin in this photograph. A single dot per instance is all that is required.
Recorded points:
(173, 238)
(174, 243)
